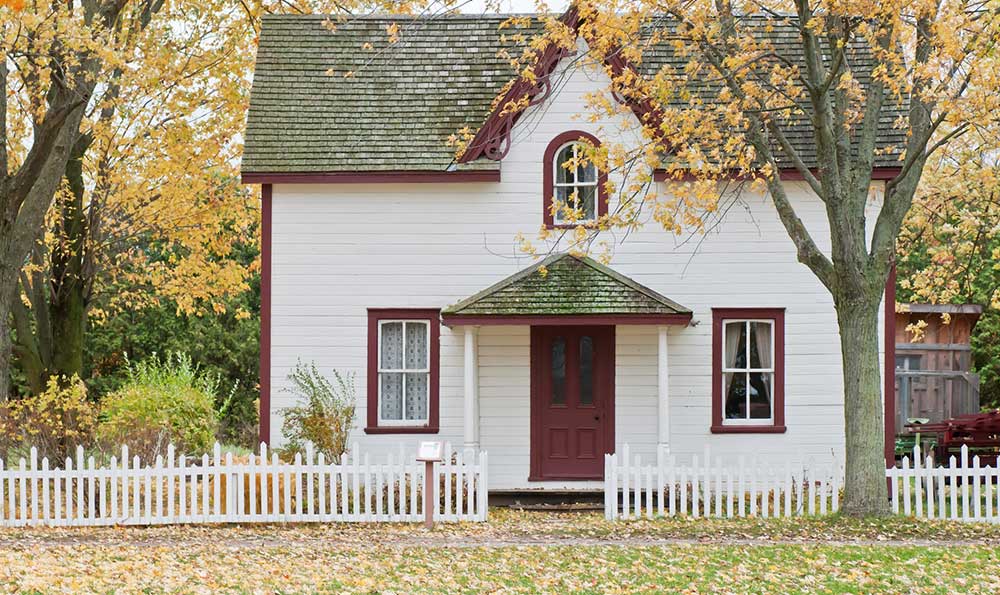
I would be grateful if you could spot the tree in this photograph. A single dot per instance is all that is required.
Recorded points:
(949, 248)
(122, 120)
(154, 165)
(724, 109)
(60, 54)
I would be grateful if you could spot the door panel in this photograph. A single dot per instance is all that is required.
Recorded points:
(572, 405)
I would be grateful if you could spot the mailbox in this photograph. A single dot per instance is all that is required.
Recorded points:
(430, 452)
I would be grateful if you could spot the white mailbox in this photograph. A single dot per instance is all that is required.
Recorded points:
(430, 452)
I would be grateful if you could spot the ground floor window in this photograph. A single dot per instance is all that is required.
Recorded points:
(748, 370)
(403, 364)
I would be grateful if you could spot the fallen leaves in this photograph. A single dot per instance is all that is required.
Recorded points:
(515, 552)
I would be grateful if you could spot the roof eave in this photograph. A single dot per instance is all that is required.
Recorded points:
(611, 319)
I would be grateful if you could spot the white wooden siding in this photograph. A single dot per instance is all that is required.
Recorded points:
(340, 249)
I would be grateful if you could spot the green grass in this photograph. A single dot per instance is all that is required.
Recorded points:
(579, 553)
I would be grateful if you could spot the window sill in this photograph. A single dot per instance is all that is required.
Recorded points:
(585, 225)
(721, 429)
(401, 430)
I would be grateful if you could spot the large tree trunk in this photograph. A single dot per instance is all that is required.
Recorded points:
(865, 488)
(68, 300)
(8, 293)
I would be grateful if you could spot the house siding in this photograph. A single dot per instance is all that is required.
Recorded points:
(339, 249)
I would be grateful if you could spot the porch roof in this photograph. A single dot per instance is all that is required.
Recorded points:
(566, 289)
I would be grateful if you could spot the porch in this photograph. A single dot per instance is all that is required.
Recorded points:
(561, 362)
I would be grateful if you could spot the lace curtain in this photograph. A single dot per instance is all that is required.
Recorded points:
(404, 346)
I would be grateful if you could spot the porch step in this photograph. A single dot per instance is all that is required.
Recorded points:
(570, 501)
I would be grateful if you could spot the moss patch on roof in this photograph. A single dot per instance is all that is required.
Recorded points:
(563, 284)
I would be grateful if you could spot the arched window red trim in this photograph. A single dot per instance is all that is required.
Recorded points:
(548, 172)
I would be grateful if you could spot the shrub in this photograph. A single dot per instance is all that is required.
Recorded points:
(54, 421)
(162, 402)
(326, 412)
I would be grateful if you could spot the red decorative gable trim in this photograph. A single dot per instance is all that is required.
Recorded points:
(493, 138)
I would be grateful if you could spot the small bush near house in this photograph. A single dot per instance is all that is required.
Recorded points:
(326, 412)
(54, 421)
(162, 402)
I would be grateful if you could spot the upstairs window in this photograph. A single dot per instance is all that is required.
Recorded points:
(574, 189)
(748, 370)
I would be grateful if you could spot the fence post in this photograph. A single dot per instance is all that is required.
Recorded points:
(607, 486)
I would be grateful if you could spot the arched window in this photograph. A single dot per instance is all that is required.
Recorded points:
(580, 188)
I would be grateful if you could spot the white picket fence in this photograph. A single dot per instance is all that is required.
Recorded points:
(249, 489)
(964, 490)
(709, 486)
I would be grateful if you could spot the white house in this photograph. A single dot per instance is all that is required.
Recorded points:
(384, 256)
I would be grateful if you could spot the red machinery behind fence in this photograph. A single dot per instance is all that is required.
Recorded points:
(980, 432)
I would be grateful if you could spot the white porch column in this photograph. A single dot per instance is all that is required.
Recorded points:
(471, 384)
(663, 393)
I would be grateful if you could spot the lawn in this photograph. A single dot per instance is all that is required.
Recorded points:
(513, 553)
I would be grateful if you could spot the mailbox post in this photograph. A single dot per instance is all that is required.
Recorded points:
(429, 453)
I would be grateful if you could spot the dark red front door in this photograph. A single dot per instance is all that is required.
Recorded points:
(572, 401)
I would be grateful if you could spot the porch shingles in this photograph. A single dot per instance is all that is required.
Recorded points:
(566, 285)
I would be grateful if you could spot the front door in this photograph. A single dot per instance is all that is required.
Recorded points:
(572, 401)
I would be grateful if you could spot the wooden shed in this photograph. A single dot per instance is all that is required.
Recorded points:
(934, 378)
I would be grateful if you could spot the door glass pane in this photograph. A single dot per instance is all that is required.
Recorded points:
(760, 395)
(735, 391)
(416, 346)
(392, 396)
(558, 396)
(392, 346)
(586, 371)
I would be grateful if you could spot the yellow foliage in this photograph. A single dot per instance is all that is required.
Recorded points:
(54, 421)
(707, 142)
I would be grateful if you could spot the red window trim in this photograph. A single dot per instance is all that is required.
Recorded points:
(778, 316)
(433, 407)
(548, 189)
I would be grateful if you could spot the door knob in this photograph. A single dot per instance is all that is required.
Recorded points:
(597, 418)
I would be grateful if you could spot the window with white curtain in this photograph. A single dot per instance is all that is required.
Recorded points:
(403, 371)
(748, 371)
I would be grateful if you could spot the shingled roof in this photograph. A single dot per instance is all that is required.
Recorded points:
(566, 285)
(397, 109)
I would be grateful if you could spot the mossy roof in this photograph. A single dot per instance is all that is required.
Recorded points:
(564, 284)
(401, 102)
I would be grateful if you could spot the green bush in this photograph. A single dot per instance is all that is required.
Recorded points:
(162, 402)
(326, 412)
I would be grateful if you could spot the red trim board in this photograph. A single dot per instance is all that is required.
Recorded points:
(889, 328)
(264, 429)
(371, 177)
(565, 320)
